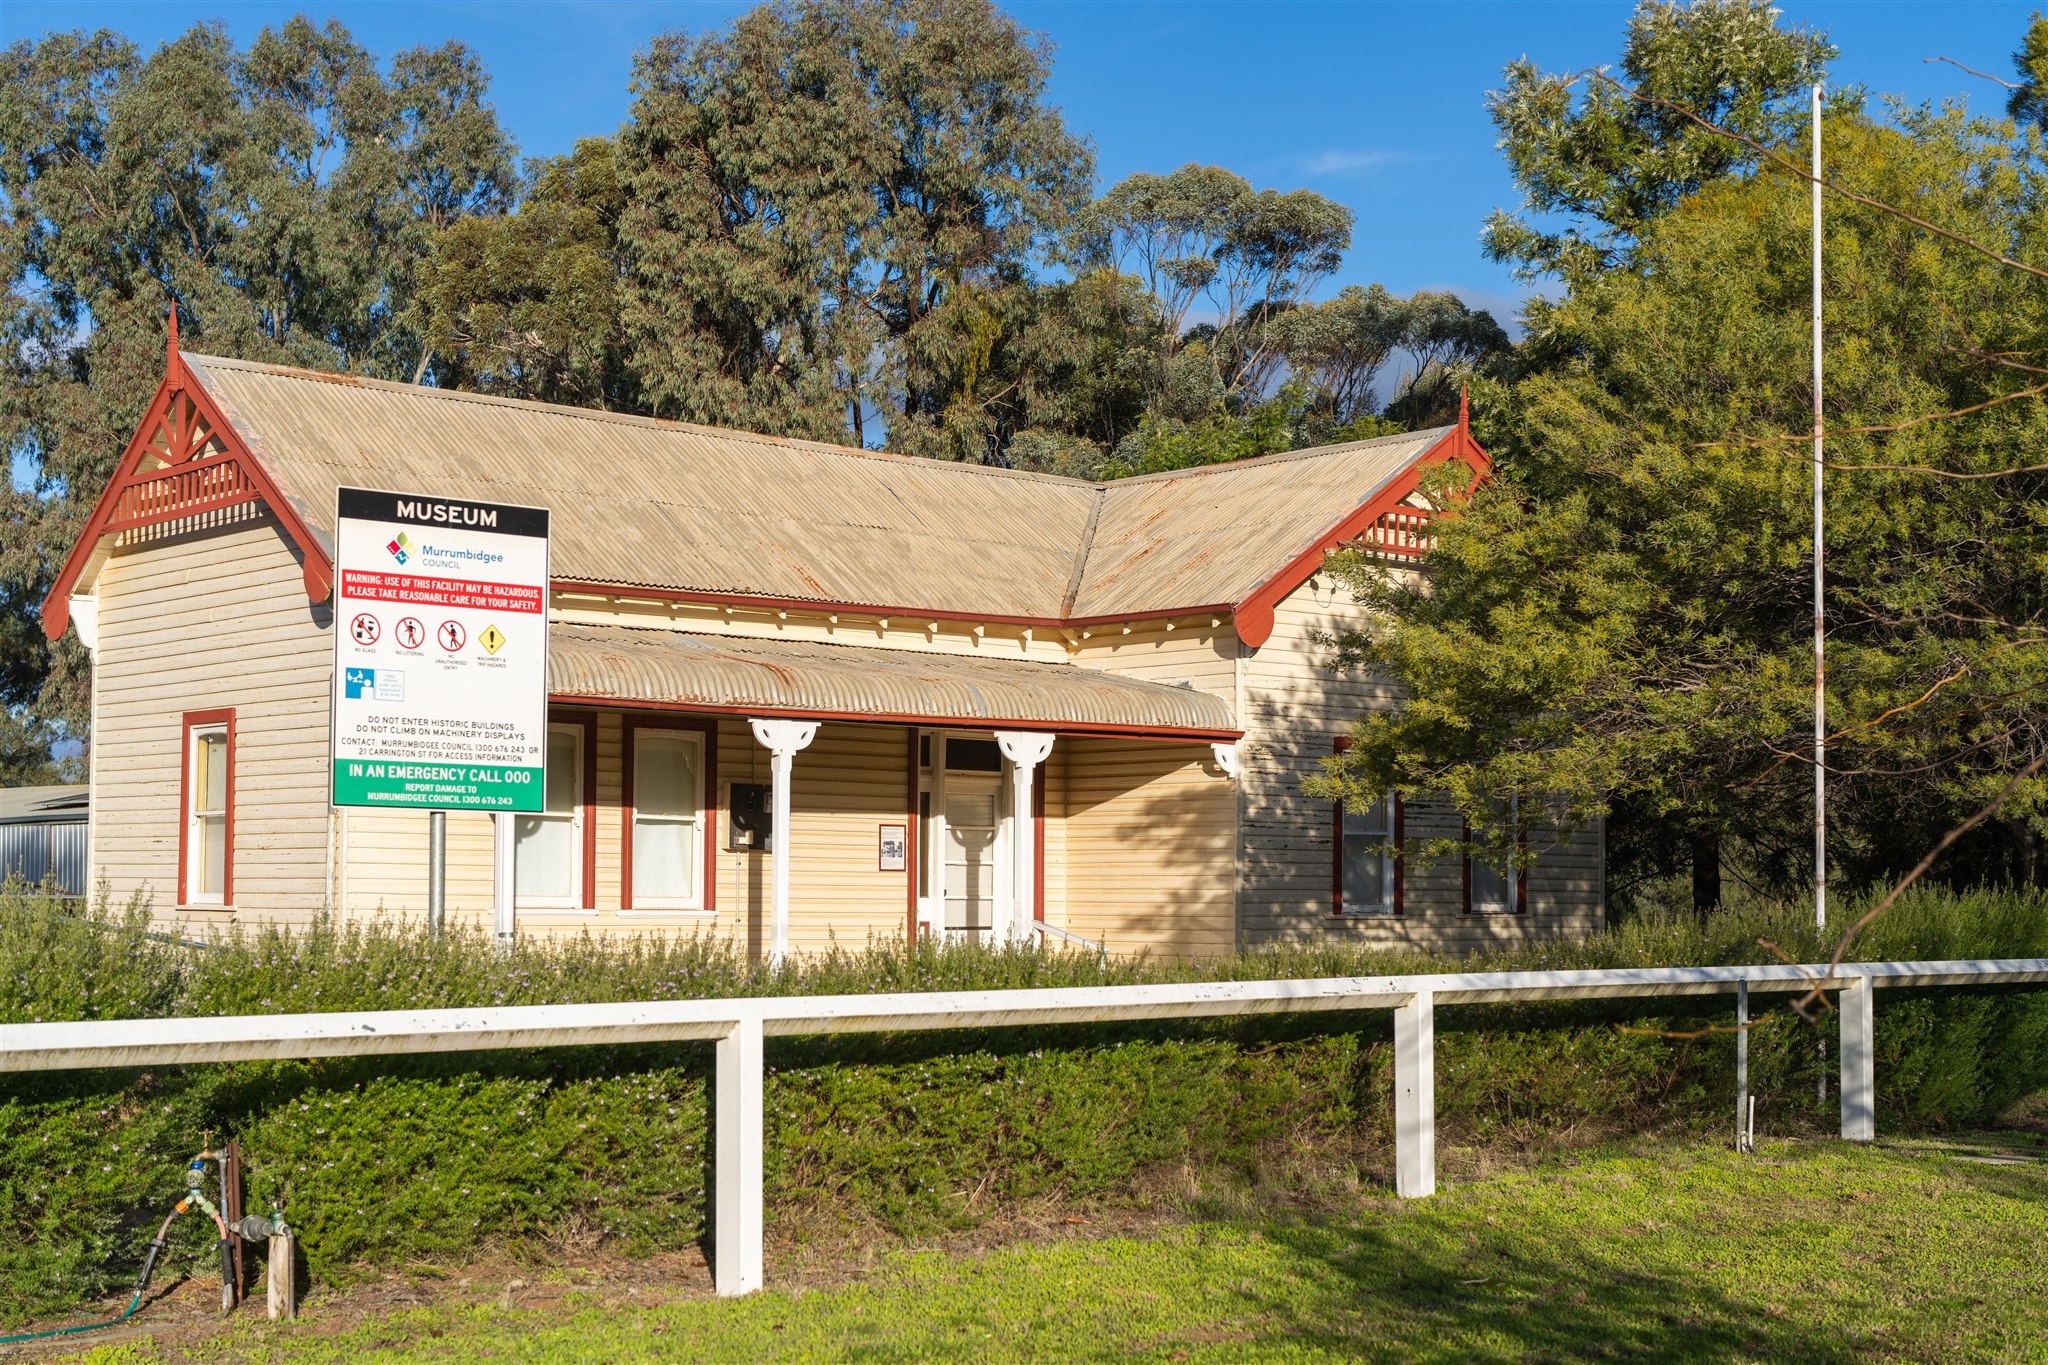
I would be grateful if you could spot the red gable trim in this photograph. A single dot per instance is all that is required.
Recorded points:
(186, 486)
(1254, 616)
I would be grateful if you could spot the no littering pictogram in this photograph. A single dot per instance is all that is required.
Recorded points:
(409, 632)
(451, 635)
(364, 629)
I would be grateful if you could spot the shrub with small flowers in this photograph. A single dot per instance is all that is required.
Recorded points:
(392, 1161)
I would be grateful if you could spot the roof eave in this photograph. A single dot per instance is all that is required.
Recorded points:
(1253, 617)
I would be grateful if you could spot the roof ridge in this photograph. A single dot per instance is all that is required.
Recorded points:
(1279, 457)
(1080, 572)
(788, 442)
(632, 419)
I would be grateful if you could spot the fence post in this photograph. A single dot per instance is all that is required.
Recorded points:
(1415, 1097)
(736, 1198)
(1741, 1064)
(1859, 1064)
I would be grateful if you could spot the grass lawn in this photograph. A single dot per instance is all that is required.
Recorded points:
(1805, 1251)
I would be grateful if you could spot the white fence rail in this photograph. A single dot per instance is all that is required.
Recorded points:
(739, 1027)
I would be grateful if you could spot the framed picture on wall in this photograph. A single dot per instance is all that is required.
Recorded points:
(894, 848)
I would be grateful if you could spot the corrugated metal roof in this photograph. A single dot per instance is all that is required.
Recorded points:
(1208, 536)
(58, 804)
(643, 503)
(619, 663)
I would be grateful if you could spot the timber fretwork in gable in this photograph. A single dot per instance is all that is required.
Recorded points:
(182, 468)
(185, 460)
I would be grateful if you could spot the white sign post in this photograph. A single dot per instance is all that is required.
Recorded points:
(440, 655)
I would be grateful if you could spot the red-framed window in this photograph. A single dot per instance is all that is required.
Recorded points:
(1491, 890)
(206, 810)
(1365, 878)
(554, 859)
(668, 839)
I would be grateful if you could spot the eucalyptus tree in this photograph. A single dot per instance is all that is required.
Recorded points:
(831, 204)
(1202, 234)
(281, 197)
(529, 304)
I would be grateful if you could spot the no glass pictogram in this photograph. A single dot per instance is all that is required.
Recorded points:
(452, 636)
(409, 632)
(364, 629)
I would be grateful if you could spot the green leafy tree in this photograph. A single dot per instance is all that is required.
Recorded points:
(1203, 233)
(1597, 166)
(1448, 343)
(830, 204)
(2027, 103)
(1620, 623)
(281, 197)
(528, 304)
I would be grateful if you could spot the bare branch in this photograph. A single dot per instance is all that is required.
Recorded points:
(1981, 75)
(1941, 846)
(1908, 425)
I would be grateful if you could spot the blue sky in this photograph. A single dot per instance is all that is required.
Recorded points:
(1379, 106)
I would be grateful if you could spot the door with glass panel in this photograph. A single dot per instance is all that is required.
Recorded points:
(547, 863)
(973, 819)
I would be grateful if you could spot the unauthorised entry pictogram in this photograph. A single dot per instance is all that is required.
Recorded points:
(364, 629)
(492, 639)
(411, 634)
(451, 635)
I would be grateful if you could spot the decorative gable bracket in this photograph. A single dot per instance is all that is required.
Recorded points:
(1385, 524)
(185, 460)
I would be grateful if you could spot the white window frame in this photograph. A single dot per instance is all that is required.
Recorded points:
(195, 817)
(694, 822)
(526, 900)
(1511, 875)
(1390, 866)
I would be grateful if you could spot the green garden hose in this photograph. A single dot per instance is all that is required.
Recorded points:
(156, 1247)
(126, 1313)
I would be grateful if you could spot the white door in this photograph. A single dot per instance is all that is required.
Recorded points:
(973, 818)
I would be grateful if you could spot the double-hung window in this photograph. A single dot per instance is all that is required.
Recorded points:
(1494, 886)
(667, 822)
(1368, 839)
(206, 855)
(547, 857)
(1368, 873)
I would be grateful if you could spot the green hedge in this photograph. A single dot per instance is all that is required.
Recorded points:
(400, 1162)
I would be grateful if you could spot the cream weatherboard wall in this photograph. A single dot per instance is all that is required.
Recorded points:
(1296, 703)
(1148, 843)
(197, 617)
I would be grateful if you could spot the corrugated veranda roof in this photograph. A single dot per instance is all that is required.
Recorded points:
(864, 682)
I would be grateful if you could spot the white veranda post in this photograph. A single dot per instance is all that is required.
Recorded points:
(1025, 749)
(782, 738)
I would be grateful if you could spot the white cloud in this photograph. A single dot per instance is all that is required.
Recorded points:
(1348, 161)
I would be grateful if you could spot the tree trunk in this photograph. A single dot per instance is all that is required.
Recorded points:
(1706, 873)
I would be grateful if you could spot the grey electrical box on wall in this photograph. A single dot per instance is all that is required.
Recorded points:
(749, 827)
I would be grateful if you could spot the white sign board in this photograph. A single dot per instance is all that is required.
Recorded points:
(440, 652)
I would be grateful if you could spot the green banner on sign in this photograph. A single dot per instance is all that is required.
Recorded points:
(438, 786)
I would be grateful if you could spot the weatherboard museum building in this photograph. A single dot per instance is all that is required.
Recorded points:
(1007, 705)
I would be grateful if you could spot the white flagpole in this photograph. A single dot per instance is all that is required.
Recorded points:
(1820, 742)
